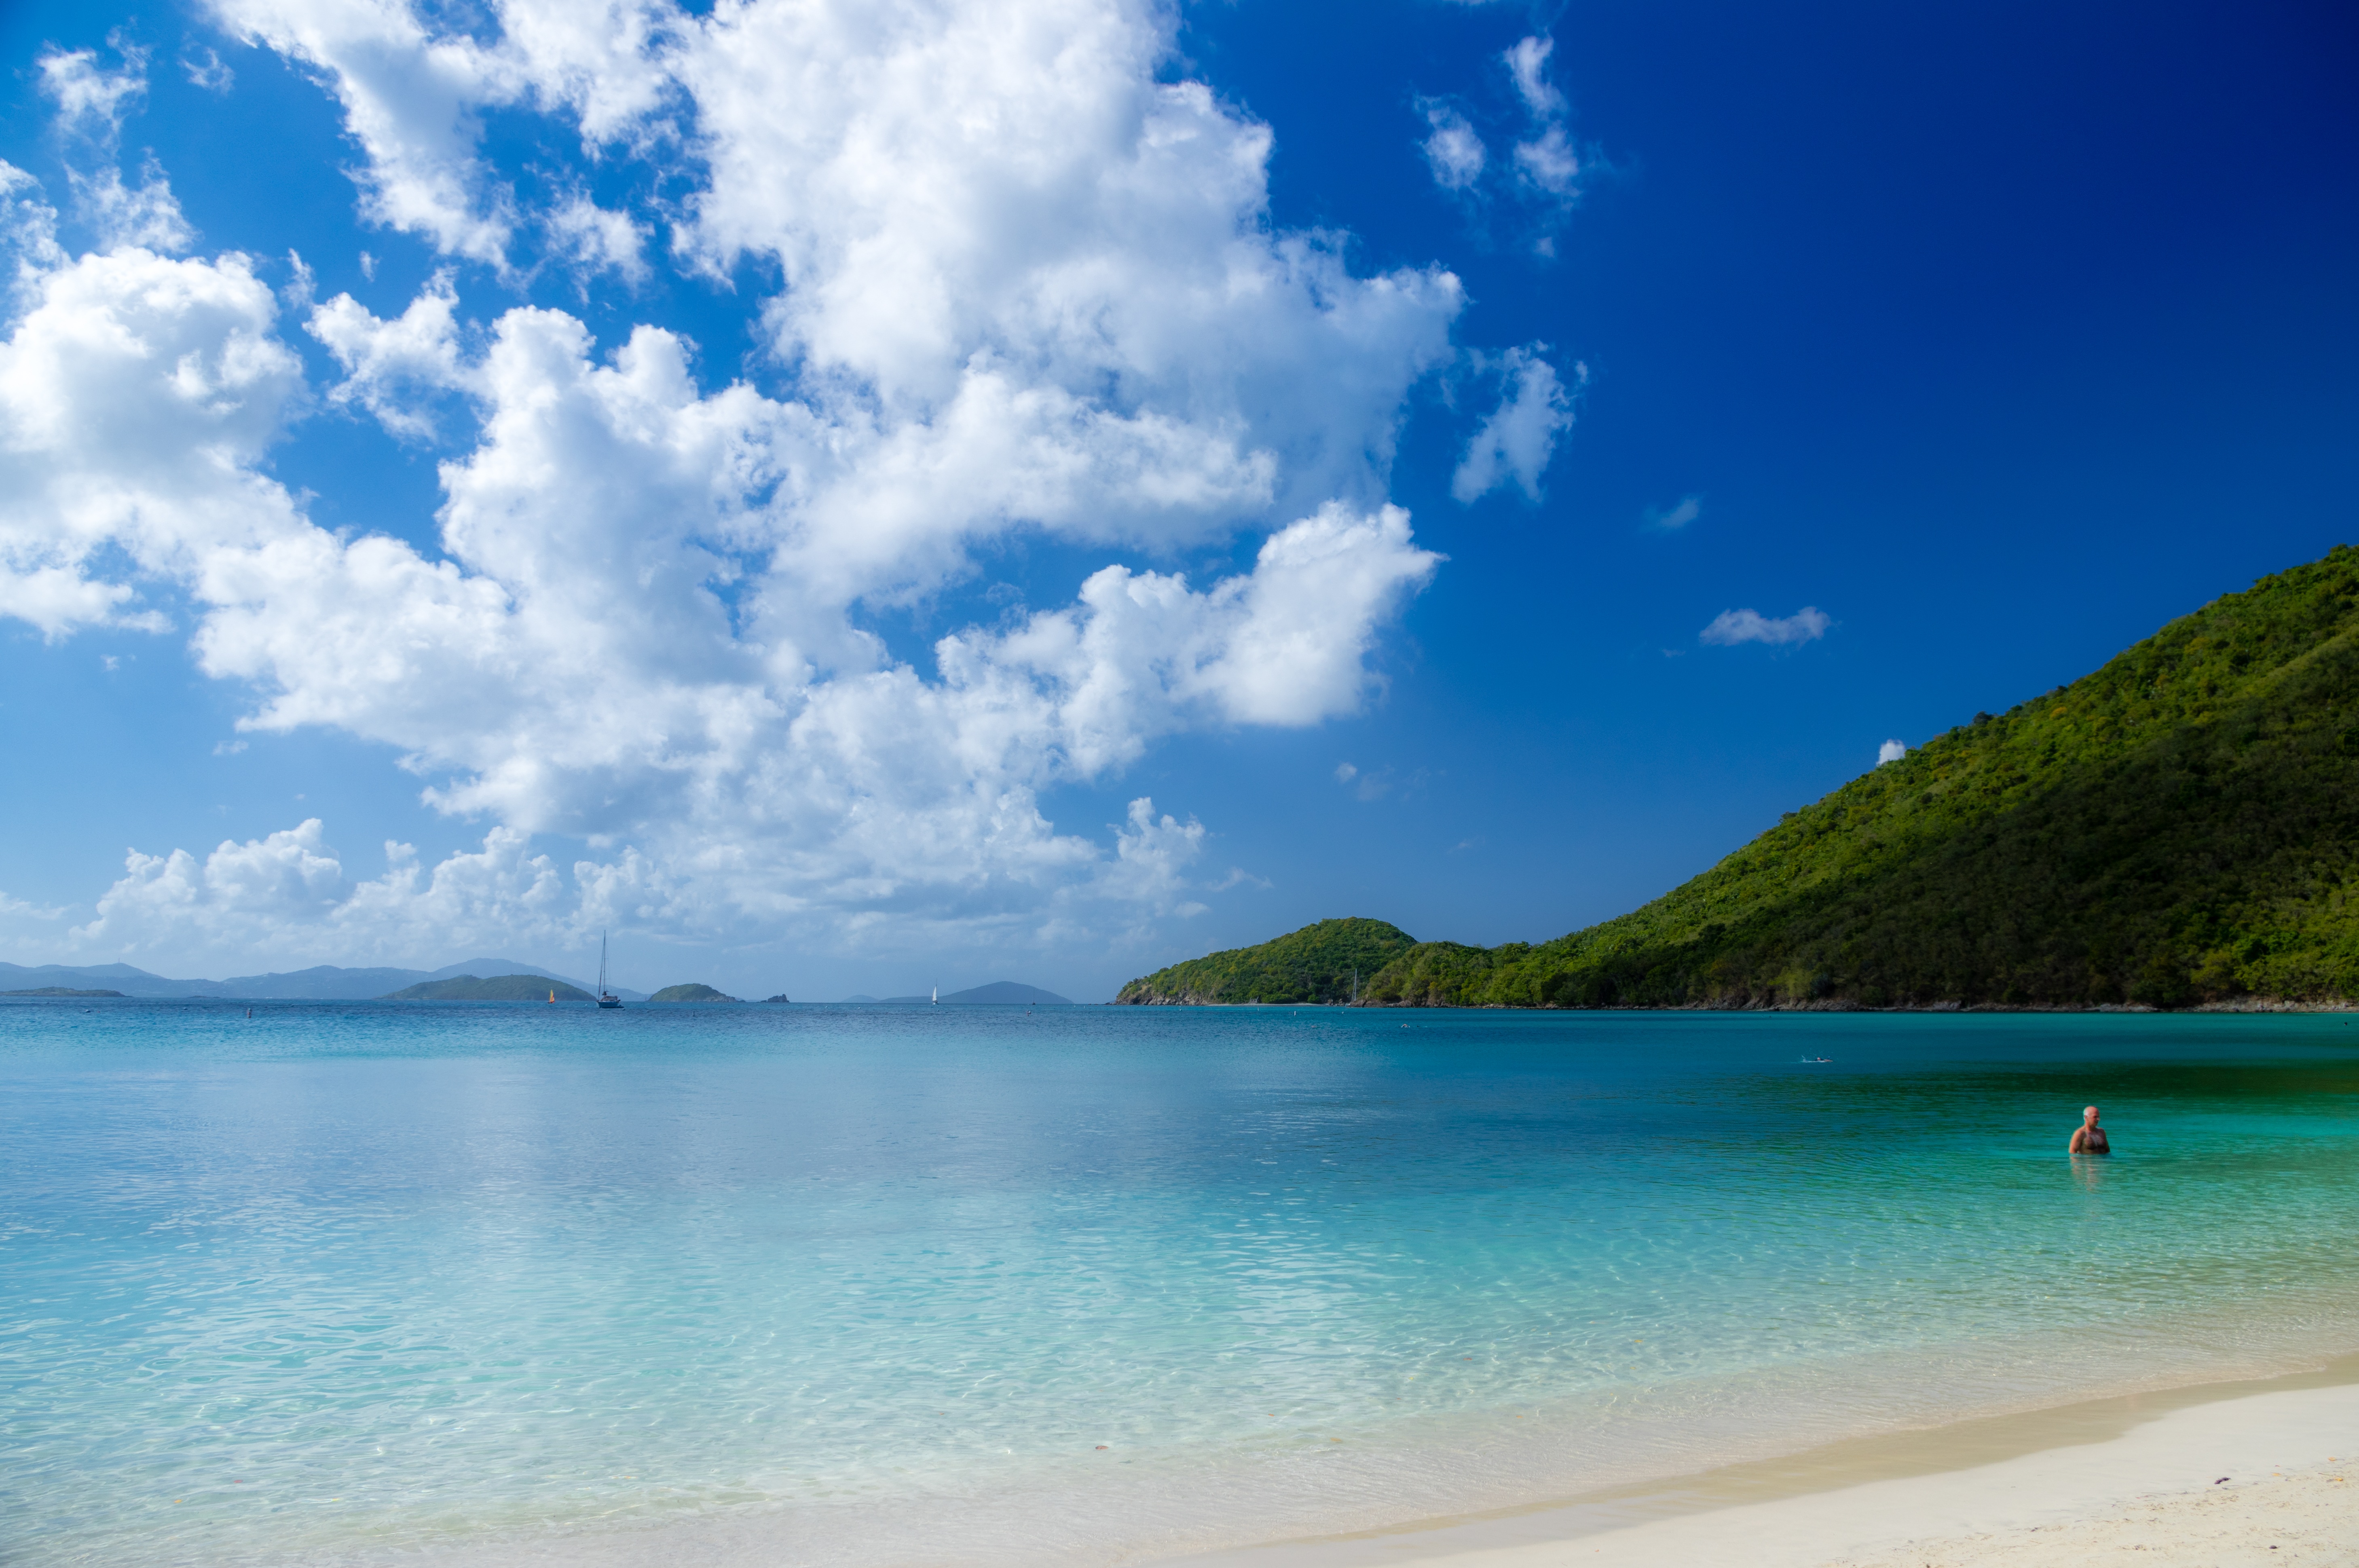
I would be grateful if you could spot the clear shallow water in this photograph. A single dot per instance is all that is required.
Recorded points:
(874, 1285)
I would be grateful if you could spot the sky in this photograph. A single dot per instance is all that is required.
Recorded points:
(849, 497)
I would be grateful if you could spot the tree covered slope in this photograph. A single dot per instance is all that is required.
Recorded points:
(2180, 826)
(1316, 964)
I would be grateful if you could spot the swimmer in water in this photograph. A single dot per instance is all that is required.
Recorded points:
(2088, 1138)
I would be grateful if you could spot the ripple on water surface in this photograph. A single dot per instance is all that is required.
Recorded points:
(346, 1278)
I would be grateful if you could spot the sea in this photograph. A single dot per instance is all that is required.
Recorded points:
(376, 1283)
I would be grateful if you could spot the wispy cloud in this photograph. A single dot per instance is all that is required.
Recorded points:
(18, 909)
(1377, 782)
(1528, 62)
(1454, 151)
(1539, 178)
(1515, 444)
(92, 104)
(205, 68)
(1547, 165)
(1731, 627)
(1689, 508)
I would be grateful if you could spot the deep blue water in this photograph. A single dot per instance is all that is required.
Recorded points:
(342, 1279)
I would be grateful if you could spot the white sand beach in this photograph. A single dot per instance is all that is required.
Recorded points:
(2264, 1477)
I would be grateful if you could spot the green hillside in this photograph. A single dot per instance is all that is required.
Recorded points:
(691, 992)
(1314, 964)
(501, 988)
(2181, 826)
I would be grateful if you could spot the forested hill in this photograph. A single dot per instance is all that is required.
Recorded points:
(1319, 963)
(2180, 826)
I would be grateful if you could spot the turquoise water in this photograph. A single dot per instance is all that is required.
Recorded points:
(851, 1285)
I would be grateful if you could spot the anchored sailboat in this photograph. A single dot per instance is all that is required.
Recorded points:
(605, 997)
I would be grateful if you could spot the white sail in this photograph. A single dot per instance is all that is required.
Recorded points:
(605, 997)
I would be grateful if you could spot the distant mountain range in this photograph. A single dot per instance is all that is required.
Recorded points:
(502, 987)
(327, 983)
(324, 983)
(998, 990)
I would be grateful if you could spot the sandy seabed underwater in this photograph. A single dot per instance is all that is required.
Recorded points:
(846, 1285)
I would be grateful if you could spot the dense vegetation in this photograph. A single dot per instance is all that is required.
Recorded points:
(689, 993)
(2181, 826)
(1317, 963)
(500, 988)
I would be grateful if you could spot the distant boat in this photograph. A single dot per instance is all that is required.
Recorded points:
(605, 997)
(552, 996)
(937, 996)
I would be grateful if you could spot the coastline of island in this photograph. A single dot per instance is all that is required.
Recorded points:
(2171, 832)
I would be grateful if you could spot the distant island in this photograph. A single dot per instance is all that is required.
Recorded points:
(780, 997)
(58, 990)
(691, 992)
(502, 987)
(2175, 829)
(1004, 992)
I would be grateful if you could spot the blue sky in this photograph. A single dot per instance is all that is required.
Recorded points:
(1959, 345)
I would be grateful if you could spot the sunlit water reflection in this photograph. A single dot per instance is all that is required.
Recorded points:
(844, 1285)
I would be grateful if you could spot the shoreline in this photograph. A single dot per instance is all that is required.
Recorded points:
(2250, 1004)
(1972, 1493)
(1980, 1490)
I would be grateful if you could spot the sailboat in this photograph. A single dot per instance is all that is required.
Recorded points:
(605, 997)
(937, 996)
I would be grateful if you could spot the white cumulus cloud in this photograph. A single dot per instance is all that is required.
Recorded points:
(412, 98)
(1731, 627)
(1890, 751)
(1030, 290)
(288, 895)
(136, 397)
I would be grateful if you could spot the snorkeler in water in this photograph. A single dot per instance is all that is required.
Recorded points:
(2088, 1138)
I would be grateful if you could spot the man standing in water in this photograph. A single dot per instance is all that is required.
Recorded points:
(2088, 1138)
